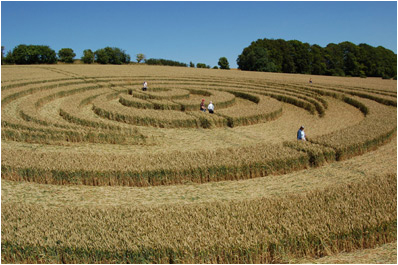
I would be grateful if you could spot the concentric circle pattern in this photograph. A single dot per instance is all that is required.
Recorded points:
(251, 133)
(96, 170)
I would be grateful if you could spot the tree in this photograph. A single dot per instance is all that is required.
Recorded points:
(101, 56)
(334, 60)
(202, 65)
(350, 53)
(140, 57)
(223, 63)
(114, 55)
(368, 59)
(88, 56)
(66, 55)
(300, 55)
(2, 54)
(9, 59)
(110, 55)
(152, 61)
(256, 58)
(32, 54)
(387, 62)
(46, 55)
(317, 61)
(191, 64)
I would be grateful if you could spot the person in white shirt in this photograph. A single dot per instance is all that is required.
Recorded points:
(301, 134)
(211, 107)
(145, 87)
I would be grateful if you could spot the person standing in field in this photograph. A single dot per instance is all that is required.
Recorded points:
(145, 86)
(301, 134)
(310, 81)
(211, 107)
(202, 105)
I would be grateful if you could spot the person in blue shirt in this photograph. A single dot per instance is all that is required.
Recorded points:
(301, 134)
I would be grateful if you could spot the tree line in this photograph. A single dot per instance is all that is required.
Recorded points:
(41, 54)
(267, 55)
(343, 59)
(152, 61)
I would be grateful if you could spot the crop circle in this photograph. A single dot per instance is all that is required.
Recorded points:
(155, 179)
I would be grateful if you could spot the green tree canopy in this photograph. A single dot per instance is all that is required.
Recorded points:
(88, 56)
(32, 54)
(343, 59)
(153, 61)
(202, 65)
(316, 59)
(2, 54)
(110, 55)
(223, 63)
(256, 59)
(140, 57)
(66, 55)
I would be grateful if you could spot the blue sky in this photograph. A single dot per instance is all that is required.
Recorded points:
(200, 32)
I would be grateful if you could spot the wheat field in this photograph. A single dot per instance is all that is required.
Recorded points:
(95, 170)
